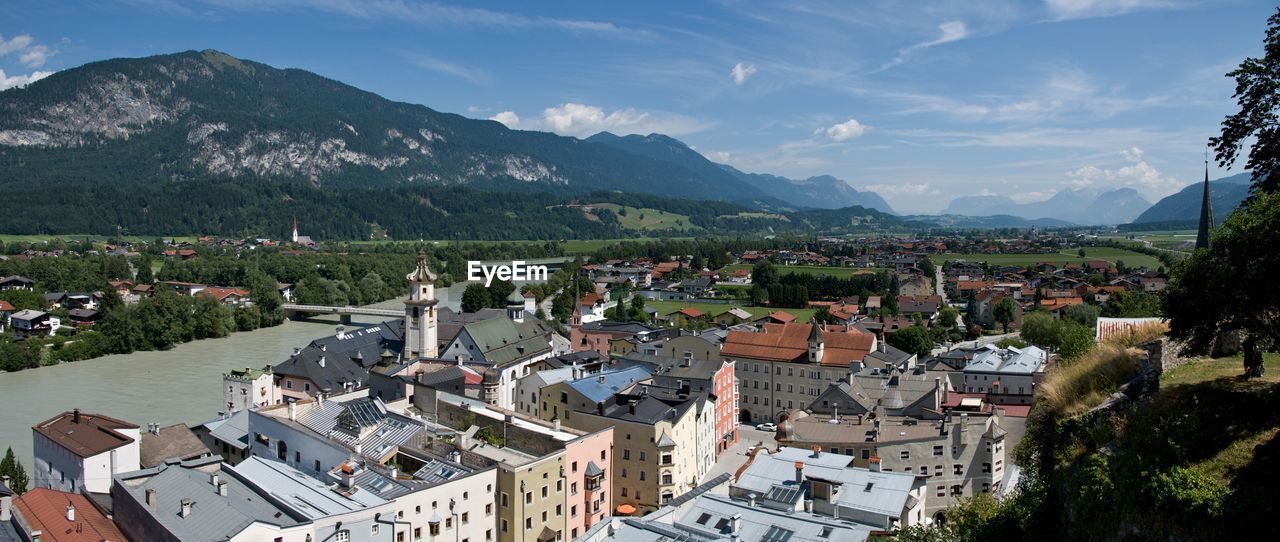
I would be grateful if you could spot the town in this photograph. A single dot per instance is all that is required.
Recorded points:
(879, 390)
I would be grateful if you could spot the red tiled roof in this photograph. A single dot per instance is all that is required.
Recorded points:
(780, 316)
(690, 312)
(790, 342)
(45, 510)
(5, 306)
(222, 293)
(92, 435)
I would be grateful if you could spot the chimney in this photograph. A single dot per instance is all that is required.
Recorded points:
(808, 505)
(75, 416)
(186, 508)
(71, 512)
(393, 473)
(737, 525)
(874, 465)
(151, 498)
(799, 472)
(751, 499)
(817, 451)
(35, 536)
(213, 479)
(293, 411)
(359, 447)
(321, 362)
(601, 379)
(964, 419)
(222, 489)
(945, 394)
(555, 423)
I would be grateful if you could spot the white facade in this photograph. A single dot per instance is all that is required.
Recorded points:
(247, 390)
(59, 469)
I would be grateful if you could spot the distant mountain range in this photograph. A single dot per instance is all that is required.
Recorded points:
(1225, 194)
(1078, 206)
(821, 192)
(199, 115)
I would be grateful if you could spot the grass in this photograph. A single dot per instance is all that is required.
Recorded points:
(838, 272)
(1062, 257)
(39, 238)
(648, 219)
(572, 247)
(712, 309)
(1084, 383)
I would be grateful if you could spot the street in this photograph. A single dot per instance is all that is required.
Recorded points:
(736, 456)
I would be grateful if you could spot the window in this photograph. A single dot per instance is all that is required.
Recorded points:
(626, 453)
(937, 470)
(641, 476)
(488, 509)
(342, 536)
(373, 529)
(866, 454)
(448, 523)
(504, 500)
(986, 467)
(602, 455)
(488, 533)
(466, 517)
(528, 523)
(559, 510)
(564, 397)
(937, 450)
(545, 489)
(464, 495)
(624, 472)
(642, 455)
(505, 527)
(306, 386)
(528, 497)
(906, 454)
(942, 491)
(957, 469)
(573, 510)
(666, 478)
(624, 492)
(957, 490)
(575, 466)
(666, 459)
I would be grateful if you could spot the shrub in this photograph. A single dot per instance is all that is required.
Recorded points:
(1078, 385)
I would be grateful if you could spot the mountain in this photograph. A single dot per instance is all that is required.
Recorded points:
(193, 116)
(1183, 207)
(984, 222)
(1080, 206)
(821, 192)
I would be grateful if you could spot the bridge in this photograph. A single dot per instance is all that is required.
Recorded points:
(345, 313)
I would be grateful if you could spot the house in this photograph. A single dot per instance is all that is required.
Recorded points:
(184, 288)
(957, 457)
(227, 436)
(17, 282)
(77, 451)
(6, 309)
(685, 316)
(732, 316)
(711, 377)
(161, 444)
(83, 317)
(249, 388)
(915, 285)
(73, 300)
(1007, 376)
(506, 345)
(697, 287)
(231, 297)
(776, 317)
(46, 515)
(871, 496)
(32, 323)
(785, 366)
(286, 291)
(596, 336)
(925, 305)
(183, 254)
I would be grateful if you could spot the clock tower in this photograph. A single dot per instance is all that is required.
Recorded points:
(420, 316)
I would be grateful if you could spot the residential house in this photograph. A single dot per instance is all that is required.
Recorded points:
(46, 515)
(80, 452)
(1007, 376)
(596, 336)
(17, 282)
(786, 366)
(731, 317)
(175, 442)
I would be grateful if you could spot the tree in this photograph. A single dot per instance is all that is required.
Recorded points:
(1004, 313)
(1230, 287)
(1074, 340)
(1257, 123)
(948, 316)
(1083, 314)
(1080, 252)
(11, 467)
(475, 297)
(1041, 330)
(1131, 305)
(764, 274)
(914, 340)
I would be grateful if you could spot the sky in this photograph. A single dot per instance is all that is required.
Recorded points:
(919, 101)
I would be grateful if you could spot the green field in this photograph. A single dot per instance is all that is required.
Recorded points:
(838, 272)
(9, 238)
(1063, 257)
(712, 309)
(572, 247)
(648, 219)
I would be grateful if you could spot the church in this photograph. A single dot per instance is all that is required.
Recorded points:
(486, 350)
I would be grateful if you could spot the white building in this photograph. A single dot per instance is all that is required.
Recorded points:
(1007, 376)
(249, 388)
(77, 451)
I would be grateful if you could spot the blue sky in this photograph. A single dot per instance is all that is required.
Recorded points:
(920, 101)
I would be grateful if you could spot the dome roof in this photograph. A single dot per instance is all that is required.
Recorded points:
(491, 375)
(516, 298)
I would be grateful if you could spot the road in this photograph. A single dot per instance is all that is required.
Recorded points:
(735, 457)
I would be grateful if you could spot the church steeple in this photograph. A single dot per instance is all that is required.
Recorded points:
(420, 317)
(1206, 212)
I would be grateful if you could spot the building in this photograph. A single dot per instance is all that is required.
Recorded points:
(45, 515)
(76, 452)
(796, 480)
(227, 436)
(506, 345)
(28, 323)
(666, 439)
(596, 336)
(786, 366)
(421, 319)
(175, 442)
(960, 457)
(249, 388)
(1007, 376)
(712, 378)
(17, 282)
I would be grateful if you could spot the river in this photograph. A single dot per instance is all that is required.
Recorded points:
(180, 385)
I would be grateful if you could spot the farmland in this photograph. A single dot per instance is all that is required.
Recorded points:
(1063, 257)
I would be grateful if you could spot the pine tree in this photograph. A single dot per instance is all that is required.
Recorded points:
(11, 467)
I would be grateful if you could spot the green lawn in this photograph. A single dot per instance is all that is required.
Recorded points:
(648, 219)
(572, 247)
(1063, 257)
(8, 238)
(838, 272)
(712, 309)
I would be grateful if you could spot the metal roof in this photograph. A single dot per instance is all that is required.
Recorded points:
(600, 387)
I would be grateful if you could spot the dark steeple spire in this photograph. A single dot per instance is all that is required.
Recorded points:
(1206, 212)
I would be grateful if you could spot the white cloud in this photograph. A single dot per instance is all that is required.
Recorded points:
(846, 130)
(723, 157)
(507, 118)
(35, 56)
(903, 189)
(1030, 196)
(741, 72)
(947, 32)
(14, 44)
(583, 120)
(7, 82)
(1062, 10)
(31, 56)
(467, 73)
(1137, 174)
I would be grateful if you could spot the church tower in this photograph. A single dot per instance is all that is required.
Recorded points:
(295, 229)
(1206, 212)
(420, 317)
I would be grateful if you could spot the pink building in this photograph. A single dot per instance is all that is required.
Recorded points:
(588, 472)
(725, 388)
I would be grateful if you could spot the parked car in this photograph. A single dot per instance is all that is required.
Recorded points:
(768, 426)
